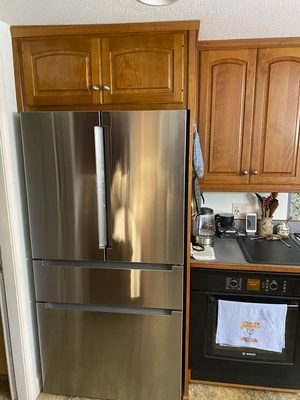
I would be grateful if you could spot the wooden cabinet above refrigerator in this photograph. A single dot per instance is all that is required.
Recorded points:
(102, 67)
(249, 113)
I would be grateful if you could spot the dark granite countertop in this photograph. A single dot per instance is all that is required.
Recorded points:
(230, 256)
(228, 251)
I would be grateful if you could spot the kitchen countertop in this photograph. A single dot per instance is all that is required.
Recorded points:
(230, 256)
(228, 251)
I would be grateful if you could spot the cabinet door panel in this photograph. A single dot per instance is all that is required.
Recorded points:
(136, 69)
(60, 71)
(225, 114)
(276, 124)
(143, 68)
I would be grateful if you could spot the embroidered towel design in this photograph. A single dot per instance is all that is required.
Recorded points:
(254, 325)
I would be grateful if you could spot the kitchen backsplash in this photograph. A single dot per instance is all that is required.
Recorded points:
(223, 202)
(294, 206)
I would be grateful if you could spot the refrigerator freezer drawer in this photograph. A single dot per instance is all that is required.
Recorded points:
(149, 288)
(110, 355)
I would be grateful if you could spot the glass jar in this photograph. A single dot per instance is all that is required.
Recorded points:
(283, 230)
(206, 219)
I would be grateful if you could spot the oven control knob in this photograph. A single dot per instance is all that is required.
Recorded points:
(233, 284)
(273, 285)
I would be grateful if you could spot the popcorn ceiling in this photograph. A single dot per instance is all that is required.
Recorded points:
(220, 19)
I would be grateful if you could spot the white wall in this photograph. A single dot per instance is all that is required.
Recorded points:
(14, 234)
(222, 202)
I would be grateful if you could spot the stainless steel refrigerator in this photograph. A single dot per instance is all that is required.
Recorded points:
(106, 206)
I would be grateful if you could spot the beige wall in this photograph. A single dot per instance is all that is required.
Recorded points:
(222, 202)
(14, 234)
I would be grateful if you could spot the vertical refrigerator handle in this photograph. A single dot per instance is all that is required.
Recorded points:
(100, 178)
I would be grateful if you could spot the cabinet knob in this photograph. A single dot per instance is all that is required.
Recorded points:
(244, 172)
(254, 172)
(106, 88)
(95, 88)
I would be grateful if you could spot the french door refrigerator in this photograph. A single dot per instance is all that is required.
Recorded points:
(106, 206)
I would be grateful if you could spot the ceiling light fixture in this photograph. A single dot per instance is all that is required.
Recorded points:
(157, 2)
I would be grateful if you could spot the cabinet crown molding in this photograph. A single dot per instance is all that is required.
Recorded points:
(247, 43)
(51, 30)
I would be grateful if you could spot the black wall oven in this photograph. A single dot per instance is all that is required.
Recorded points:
(209, 361)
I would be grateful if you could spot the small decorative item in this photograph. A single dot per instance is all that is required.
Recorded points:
(283, 229)
(265, 226)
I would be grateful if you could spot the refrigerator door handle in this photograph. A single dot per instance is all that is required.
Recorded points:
(100, 178)
(111, 309)
(107, 154)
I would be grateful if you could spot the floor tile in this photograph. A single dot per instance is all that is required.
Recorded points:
(212, 392)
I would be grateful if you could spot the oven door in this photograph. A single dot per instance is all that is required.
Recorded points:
(209, 361)
(212, 349)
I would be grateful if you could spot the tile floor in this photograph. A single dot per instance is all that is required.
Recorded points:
(197, 392)
(211, 392)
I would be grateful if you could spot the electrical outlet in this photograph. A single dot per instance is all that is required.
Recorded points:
(239, 210)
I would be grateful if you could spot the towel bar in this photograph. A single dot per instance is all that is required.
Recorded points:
(212, 299)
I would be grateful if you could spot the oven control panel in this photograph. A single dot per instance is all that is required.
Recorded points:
(274, 285)
(233, 283)
(239, 282)
(254, 284)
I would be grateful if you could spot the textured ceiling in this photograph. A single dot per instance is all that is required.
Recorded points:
(220, 19)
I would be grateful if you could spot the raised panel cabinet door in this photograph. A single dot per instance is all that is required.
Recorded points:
(60, 71)
(275, 152)
(143, 68)
(225, 114)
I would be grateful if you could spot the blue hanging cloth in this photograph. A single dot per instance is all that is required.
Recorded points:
(198, 169)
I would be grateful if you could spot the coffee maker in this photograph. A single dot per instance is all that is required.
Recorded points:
(225, 226)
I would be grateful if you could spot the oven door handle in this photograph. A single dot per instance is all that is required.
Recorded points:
(212, 299)
(294, 305)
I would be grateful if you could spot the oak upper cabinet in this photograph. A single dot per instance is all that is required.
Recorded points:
(128, 66)
(227, 80)
(275, 150)
(143, 68)
(59, 71)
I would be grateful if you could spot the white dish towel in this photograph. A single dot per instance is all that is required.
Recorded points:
(206, 254)
(254, 325)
